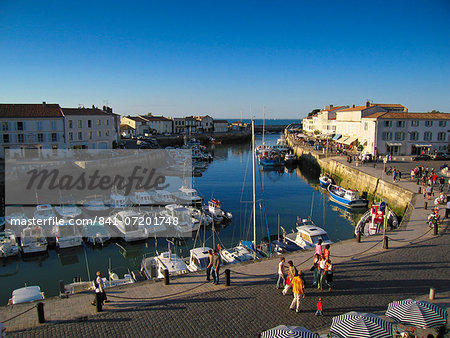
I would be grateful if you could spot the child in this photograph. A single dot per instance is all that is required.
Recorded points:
(319, 308)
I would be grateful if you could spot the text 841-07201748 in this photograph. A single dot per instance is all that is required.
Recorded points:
(140, 220)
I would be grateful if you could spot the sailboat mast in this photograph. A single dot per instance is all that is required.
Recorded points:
(254, 185)
(264, 124)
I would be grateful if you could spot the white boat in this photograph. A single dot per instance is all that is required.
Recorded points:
(214, 209)
(163, 197)
(45, 213)
(141, 198)
(26, 294)
(154, 224)
(153, 267)
(229, 256)
(372, 221)
(95, 206)
(281, 145)
(239, 253)
(114, 280)
(289, 158)
(189, 196)
(325, 180)
(68, 209)
(15, 216)
(96, 234)
(129, 225)
(346, 197)
(117, 201)
(33, 240)
(308, 235)
(67, 236)
(181, 219)
(8, 244)
(198, 259)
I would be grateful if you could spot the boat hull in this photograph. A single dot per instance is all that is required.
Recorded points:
(357, 203)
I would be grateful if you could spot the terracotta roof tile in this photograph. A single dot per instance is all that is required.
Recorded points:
(84, 111)
(402, 115)
(357, 108)
(30, 110)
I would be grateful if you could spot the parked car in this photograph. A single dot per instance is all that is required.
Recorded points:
(422, 157)
(440, 156)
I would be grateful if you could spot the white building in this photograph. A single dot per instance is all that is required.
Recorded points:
(31, 126)
(205, 124)
(146, 125)
(220, 126)
(179, 125)
(89, 128)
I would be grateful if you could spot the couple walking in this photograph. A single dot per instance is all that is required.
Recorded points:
(213, 266)
(292, 280)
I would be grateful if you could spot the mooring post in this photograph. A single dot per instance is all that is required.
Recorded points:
(166, 277)
(40, 312)
(227, 277)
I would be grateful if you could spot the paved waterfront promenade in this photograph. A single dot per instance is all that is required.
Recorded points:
(363, 282)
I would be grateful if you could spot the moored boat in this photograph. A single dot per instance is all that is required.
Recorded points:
(26, 294)
(8, 244)
(372, 221)
(67, 236)
(307, 235)
(33, 240)
(96, 234)
(153, 267)
(325, 180)
(346, 197)
(198, 259)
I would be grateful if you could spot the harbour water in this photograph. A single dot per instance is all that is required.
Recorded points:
(284, 194)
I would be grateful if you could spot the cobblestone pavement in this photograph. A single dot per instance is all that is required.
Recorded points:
(366, 284)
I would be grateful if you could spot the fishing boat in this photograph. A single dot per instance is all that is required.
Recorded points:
(181, 219)
(67, 208)
(214, 210)
(283, 245)
(141, 198)
(346, 197)
(33, 240)
(26, 294)
(325, 180)
(271, 158)
(96, 234)
(371, 223)
(289, 159)
(188, 196)
(44, 212)
(229, 256)
(95, 206)
(153, 267)
(198, 259)
(15, 216)
(281, 145)
(8, 244)
(163, 197)
(117, 201)
(67, 235)
(113, 280)
(129, 226)
(215, 141)
(307, 235)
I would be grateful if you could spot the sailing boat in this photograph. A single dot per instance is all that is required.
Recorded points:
(263, 147)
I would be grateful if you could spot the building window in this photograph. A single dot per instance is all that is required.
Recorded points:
(70, 124)
(4, 126)
(107, 133)
(399, 136)
(414, 136)
(39, 125)
(99, 133)
(387, 136)
(5, 138)
(427, 136)
(442, 123)
(99, 122)
(400, 124)
(90, 135)
(80, 136)
(107, 122)
(428, 123)
(40, 137)
(89, 124)
(441, 136)
(19, 125)
(415, 123)
(19, 138)
(366, 126)
(54, 137)
(388, 123)
(80, 124)
(70, 136)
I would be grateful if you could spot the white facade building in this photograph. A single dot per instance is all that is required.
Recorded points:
(220, 126)
(146, 125)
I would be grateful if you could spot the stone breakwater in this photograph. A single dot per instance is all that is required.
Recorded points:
(353, 178)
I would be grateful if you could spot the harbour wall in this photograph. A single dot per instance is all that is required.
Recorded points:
(352, 178)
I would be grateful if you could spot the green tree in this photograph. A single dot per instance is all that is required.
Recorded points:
(316, 132)
(314, 111)
(435, 112)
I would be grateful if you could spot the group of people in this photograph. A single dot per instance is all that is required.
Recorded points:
(213, 266)
(396, 174)
(322, 269)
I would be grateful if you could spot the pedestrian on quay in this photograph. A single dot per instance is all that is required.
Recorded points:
(319, 307)
(329, 274)
(322, 270)
(315, 269)
(326, 252)
(215, 267)
(209, 266)
(447, 209)
(298, 290)
(99, 289)
(318, 250)
(292, 270)
(281, 274)
(429, 191)
(441, 183)
(394, 176)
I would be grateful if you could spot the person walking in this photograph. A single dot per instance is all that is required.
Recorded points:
(429, 191)
(298, 290)
(318, 250)
(322, 266)
(281, 274)
(315, 269)
(329, 274)
(209, 266)
(216, 267)
(292, 270)
(326, 252)
(319, 307)
(99, 289)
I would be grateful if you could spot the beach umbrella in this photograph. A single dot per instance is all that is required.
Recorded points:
(417, 313)
(359, 325)
(282, 331)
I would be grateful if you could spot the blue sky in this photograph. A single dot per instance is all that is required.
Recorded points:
(194, 57)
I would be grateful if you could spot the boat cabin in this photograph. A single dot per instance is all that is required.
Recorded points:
(199, 258)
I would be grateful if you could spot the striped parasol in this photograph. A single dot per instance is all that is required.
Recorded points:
(360, 325)
(416, 313)
(283, 331)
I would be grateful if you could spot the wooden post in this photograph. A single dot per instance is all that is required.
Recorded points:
(166, 277)
(227, 277)
(358, 237)
(40, 312)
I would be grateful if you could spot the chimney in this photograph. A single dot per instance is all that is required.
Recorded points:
(93, 107)
(104, 108)
(353, 106)
(367, 104)
(331, 106)
(44, 103)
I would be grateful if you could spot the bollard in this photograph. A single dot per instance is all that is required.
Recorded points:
(432, 293)
(62, 291)
(436, 228)
(385, 242)
(40, 312)
(227, 277)
(99, 301)
(358, 237)
(420, 190)
(166, 277)
(425, 205)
